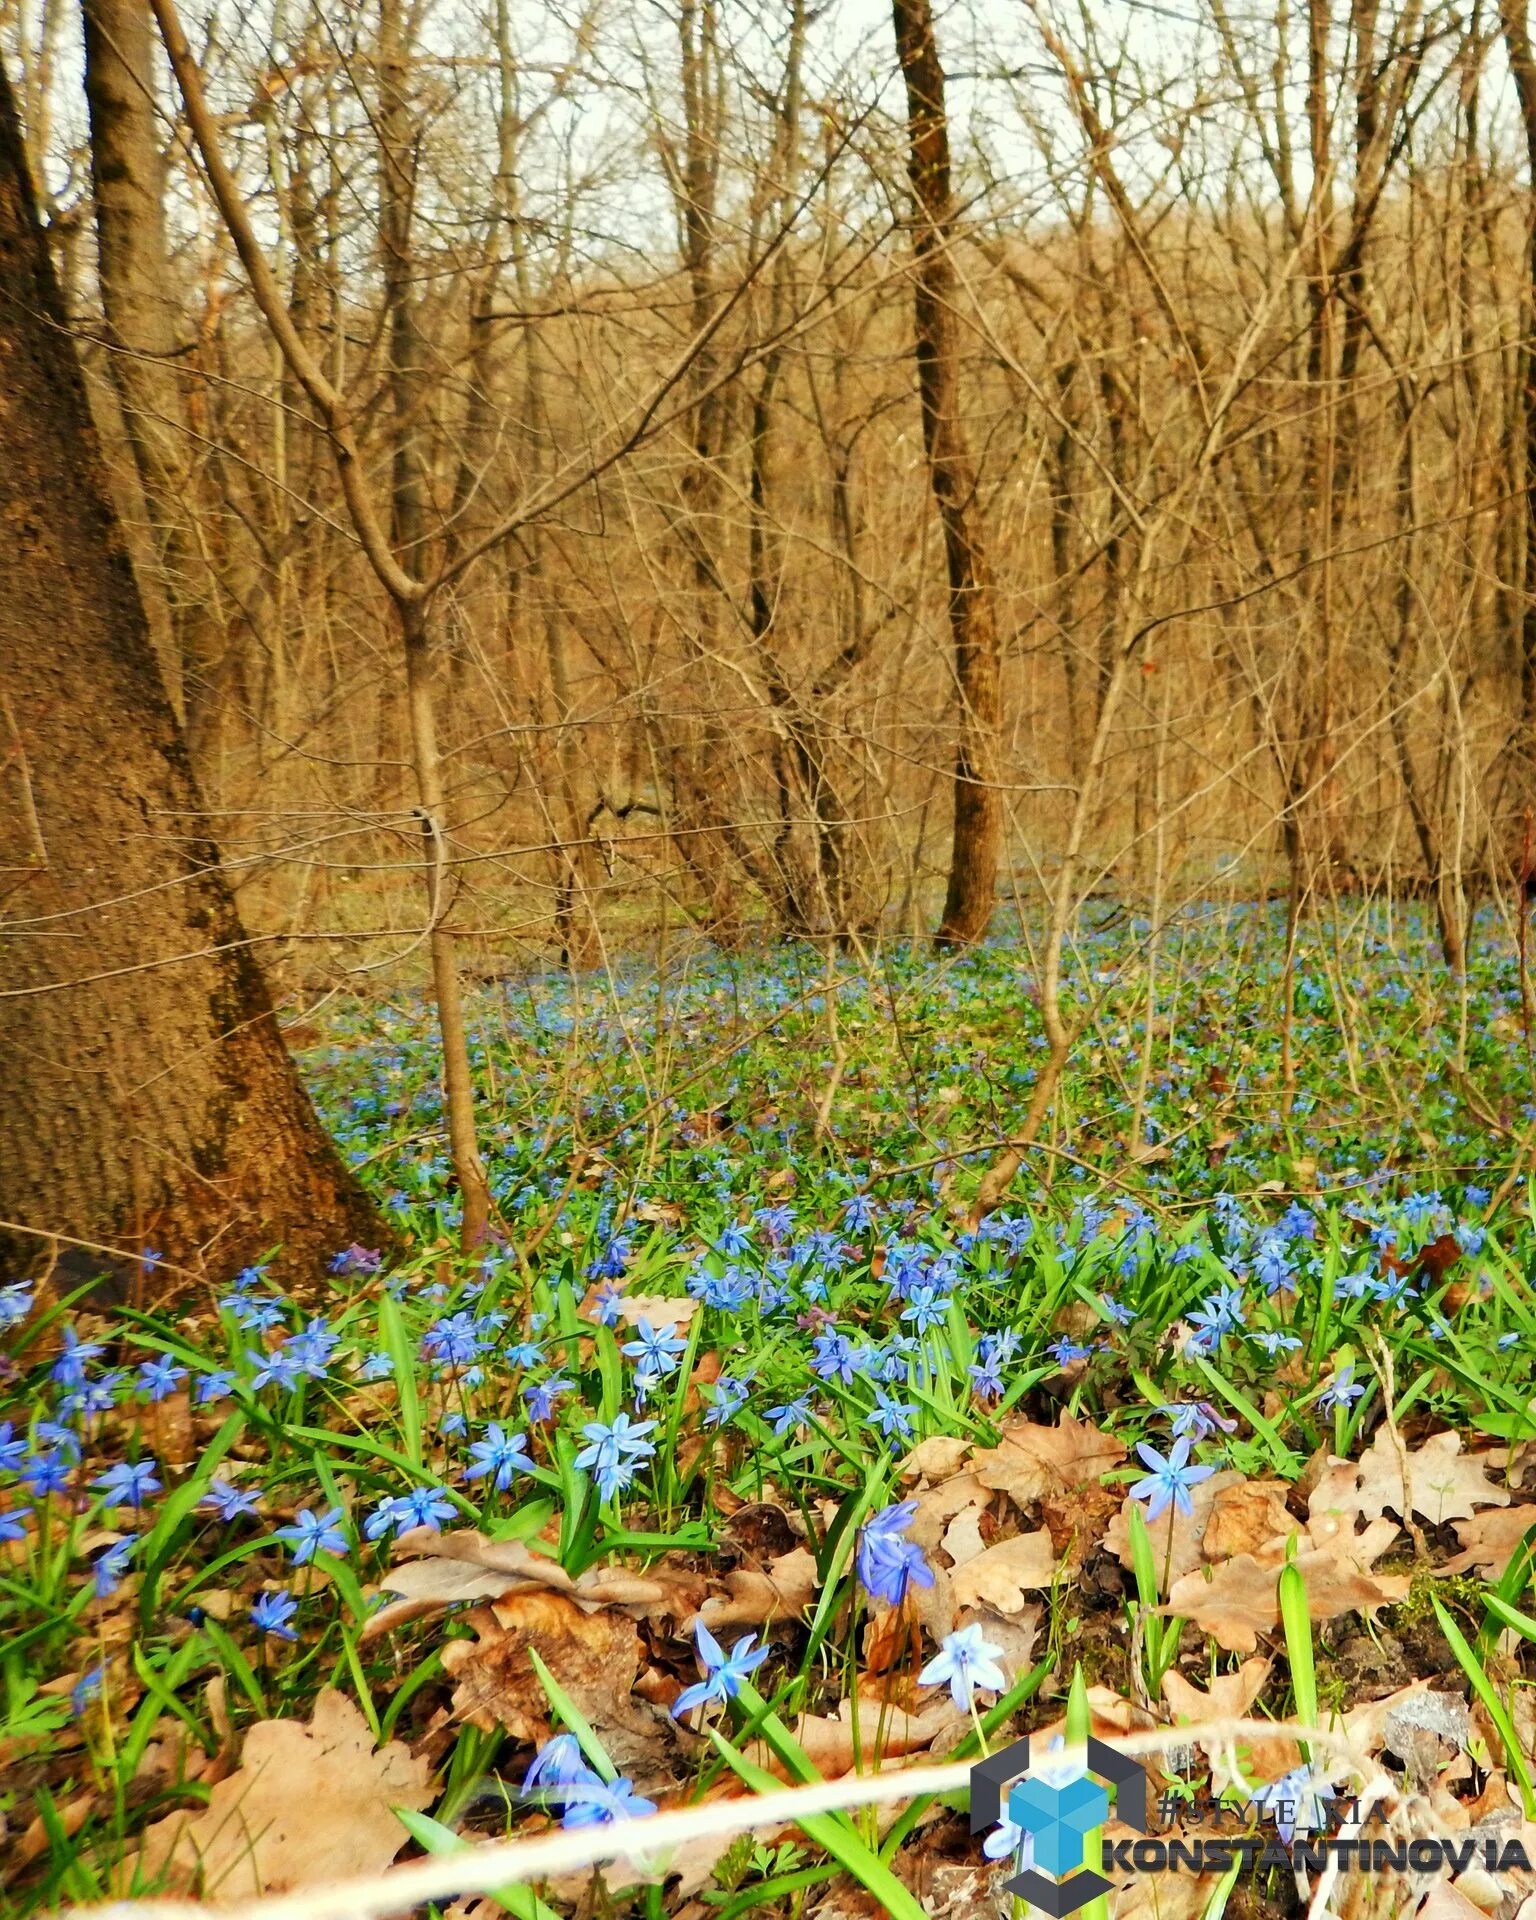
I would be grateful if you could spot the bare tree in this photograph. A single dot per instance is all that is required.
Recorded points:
(150, 1101)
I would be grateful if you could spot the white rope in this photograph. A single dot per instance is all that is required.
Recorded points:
(646, 1841)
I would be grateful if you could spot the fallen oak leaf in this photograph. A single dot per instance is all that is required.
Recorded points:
(755, 1595)
(1444, 1483)
(1001, 1576)
(1238, 1600)
(1490, 1540)
(309, 1804)
(1032, 1461)
(595, 1656)
(1176, 1537)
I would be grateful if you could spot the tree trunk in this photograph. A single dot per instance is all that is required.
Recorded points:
(976, 849)
(142, 317)
(149, 1100)
(1522, 65)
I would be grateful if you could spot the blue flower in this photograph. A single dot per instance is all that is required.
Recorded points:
(13, 1447)
(225, 1501)
(927, 1307)
(1341, 1392)
(1195, 1420)
(656, 1352)
(833, 1357)
(282, 1368)
(419, 1507)
(734, 1241)
(500, 1454)
(128, 1484)
(892, 1417)
(730, 1396)
(158, 1379)
(12, 1523)
(559, 1761)
(614, 1453)
(966, 1661)
(1274, 1343)
(888, 1563)
(793, 1413)
(69, 1368)
(108, 1568)
(1169, 1480)
(216, 1384)
(723, 1672)
(454, 1340)
(15, 1304)
(540, 1397)
(594, 1802)
(271, 1613)
(858, 1215)
(45, 1473)
(313, 1533)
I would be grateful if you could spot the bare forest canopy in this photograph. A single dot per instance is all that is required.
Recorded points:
(786, 434)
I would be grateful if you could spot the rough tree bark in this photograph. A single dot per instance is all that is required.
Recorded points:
(976, 850)
(1522, 66)
(149, 1100)
(139, 302)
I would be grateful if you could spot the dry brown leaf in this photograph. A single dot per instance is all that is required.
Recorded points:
(1246, 1518)
(938, 1458)
(594, 1656)
(1447, 1484)
(755, 1595)
(1033, 1461)
(1489, 1539)
(1187, 1529)
(1230, 1696)
(309, 1804)
(1077, 1521)
(657, 1308)
(1238, 1600)
(962, 1537)
(470, 1546)
(1001, 1576)
(864, 1731)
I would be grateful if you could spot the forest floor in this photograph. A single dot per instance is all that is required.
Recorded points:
(737, 1461)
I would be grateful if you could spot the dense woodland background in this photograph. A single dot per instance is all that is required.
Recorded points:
(594, 474)
(620, 304)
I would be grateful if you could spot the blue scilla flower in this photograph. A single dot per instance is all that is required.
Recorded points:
(723, 1672)
(499, 1455)
(888, 1563)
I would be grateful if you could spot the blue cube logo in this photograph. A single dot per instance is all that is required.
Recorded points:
(1057, 1814)
(1059, 1818)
